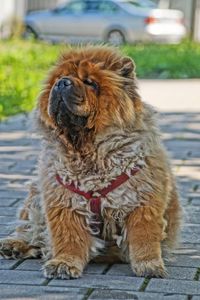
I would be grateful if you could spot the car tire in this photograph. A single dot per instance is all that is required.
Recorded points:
(29, 33)
(116, 37)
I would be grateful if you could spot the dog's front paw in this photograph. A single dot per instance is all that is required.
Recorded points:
(13, 248)
(63, 268)
(151, 268)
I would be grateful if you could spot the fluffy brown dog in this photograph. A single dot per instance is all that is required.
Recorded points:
(104, 180)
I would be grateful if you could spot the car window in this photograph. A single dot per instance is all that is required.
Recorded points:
(92, 6)
(72, 7)
(108, 7)
(140, 3)
(100, 6)
(77, 7)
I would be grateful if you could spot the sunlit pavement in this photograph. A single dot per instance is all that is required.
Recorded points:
(172, 95)
(181, 135)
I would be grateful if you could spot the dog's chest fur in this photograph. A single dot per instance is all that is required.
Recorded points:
(110, 157)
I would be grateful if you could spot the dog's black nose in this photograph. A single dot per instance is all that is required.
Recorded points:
(64, 82)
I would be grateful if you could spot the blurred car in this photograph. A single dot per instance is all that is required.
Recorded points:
(113, 21)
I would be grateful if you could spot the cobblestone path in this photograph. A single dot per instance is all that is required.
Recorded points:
(24, 279)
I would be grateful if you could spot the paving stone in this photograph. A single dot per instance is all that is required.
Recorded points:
(102, 281)
(192, 171)
(193, 194)
(13, 136)
(19, 156)
(192, 217)
(183, 201)
(193, 161)
(195, 201)
(192, 260)
(21, 277)
(5, 127)
(16, 123)
(12, 185)
(127, 295)
(173, 272)
(22, 171)
(6, 165)
(9, 211)
(174, 286)
(18, 203)
(191, 228)
(14, 141)
(19, 292)
(16, 176)
(7, 201)
(6, 264)
(12, 194)
(36, 265)
(15, 149)
(24, 167)
(181, 273)
(179, 153)
(4, 183)
(6, 229)
(190, 237)
(31, 265)
(2, 236)
(95, 268)
(186, 185)
(185, 248)
(191, 209)
(182, 144)
(120, 270)
(6, 219)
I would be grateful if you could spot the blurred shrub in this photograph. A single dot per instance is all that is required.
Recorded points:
(166, 61)
(23, 66)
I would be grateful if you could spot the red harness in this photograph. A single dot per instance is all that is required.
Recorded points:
(95, 202)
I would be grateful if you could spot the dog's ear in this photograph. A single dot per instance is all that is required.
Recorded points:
(128, 66)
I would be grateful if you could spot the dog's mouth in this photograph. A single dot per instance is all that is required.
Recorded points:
(73, 127)
(66, 116)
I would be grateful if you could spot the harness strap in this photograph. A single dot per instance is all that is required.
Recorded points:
(95, 202)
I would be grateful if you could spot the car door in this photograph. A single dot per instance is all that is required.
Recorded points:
(97, 17)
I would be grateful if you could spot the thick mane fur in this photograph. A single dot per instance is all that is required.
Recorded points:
(118, 101)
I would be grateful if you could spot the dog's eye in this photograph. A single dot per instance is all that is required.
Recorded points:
(91, 83)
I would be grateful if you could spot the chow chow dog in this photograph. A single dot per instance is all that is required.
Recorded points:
(105, 186)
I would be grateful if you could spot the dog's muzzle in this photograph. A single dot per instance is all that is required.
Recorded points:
(64, 104)
(66, 88)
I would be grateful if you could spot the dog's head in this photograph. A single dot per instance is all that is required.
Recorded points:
(89, 90)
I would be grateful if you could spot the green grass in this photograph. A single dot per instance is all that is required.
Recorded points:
(23, 67)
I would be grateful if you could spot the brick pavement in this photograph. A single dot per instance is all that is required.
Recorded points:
(24, 279)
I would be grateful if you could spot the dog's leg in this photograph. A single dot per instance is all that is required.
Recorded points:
(70, 243)
(173, 216)
(144, 235)
(19, 244)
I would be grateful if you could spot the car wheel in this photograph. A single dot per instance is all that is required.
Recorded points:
(29, 33)
(115, 37)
